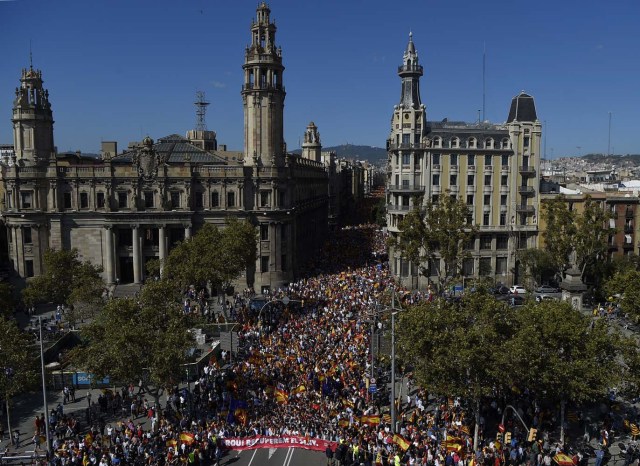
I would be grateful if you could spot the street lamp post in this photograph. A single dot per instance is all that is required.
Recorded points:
(44, 391)
(394, 311)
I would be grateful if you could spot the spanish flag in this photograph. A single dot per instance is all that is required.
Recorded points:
(563, 460)
(301, 388)
(370, 420)
(281, 396)
(401, 442)
(187, 437)
(88, 439)
(172, 443)
(343, 422)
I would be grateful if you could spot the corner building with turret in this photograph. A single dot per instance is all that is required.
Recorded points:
(122, 209)
(494, 168)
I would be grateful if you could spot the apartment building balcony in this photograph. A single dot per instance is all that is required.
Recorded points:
(399, 208)
(488, 168)
(527, 170)
(629, 213)
(471, 189)
(454, 169)
(406, 188)
(471, 169)
(628, 228)
(408, 146)
(527, 209)
(504, 169)
(436, 168)
(526, 190)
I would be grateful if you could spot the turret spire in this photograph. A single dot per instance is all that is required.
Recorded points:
(410, 72)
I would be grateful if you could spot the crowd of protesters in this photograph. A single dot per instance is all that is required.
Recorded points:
(302, 369)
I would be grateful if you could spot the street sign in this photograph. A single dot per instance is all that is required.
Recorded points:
(373, 388)
(372, 381)
(501, 427)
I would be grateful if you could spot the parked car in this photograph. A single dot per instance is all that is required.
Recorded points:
(500, 289)
(547, 289)
(517, 289)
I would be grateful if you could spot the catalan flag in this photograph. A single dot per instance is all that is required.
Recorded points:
(187, 437)
(465, 429)
(386, 418)
(635, 431)
(401, 442)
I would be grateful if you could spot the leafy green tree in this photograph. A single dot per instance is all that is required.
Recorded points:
(538, 264)
(7, 301)
(569, 232)
(18, 372)
(214, 256)
(454, 348)
(67, 280)
(559, 232)
(133, 340)
(625, 285)
(558, 355)
(434, 232)
(591, 236)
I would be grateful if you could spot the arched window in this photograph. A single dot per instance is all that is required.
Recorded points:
(488, 143)
(455, 142)
(437, 141)
(471, 143)
(505, 143)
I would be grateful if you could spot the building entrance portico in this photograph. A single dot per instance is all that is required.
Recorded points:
(135, 245)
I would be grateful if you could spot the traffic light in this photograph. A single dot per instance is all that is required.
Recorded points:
(532, 435)
(499, 437)
(507, 438)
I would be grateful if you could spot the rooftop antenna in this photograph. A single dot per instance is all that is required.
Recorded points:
(484, 68)
(544, 125)
(609, 143)
(30, 56)
(201, 110)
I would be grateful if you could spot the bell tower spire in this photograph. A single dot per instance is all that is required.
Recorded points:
(263, 94)
(32, 119)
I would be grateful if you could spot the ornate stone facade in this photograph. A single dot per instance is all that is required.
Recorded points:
(494, 168)
(122, 209)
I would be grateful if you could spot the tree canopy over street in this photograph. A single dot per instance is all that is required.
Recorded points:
(67, 280)
(132, 340)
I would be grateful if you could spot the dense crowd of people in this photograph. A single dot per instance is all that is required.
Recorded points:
(302, 369)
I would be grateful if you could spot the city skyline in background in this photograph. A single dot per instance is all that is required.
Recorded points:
(122, 70)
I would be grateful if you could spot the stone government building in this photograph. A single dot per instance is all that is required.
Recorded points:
(122, 209)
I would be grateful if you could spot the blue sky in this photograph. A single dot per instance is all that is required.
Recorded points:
(122, 69)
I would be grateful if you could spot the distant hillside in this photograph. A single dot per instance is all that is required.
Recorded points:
(629, 159)
(350, 151)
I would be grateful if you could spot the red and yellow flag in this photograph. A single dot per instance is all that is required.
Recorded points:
(563, 460)
(299, 389)
(281, 396)
(343, 422)
(172, 443)
(401, 442)
(187, 437)
(370, 420)
(241, 416)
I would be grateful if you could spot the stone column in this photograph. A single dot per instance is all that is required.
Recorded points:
(187, 231)
(162, 246)
(136, 254)
(109, 253)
